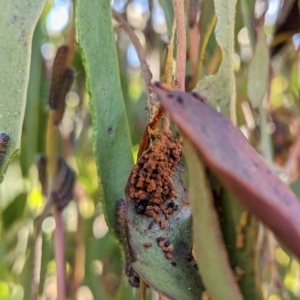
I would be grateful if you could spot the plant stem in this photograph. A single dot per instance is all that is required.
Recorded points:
(181, 44)
(37, 257)
(59, 241)
(146, 73)
(143, 289)
(71, 37)
(51, 171)
(169, 60)
(169, 72)
(51, 152)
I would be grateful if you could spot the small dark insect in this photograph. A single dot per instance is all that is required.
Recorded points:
(152, 137)
(180, 99)
(174, 263)
(157, 84)
(154, 176)
(167, 243)
(150, 225)
(171, 205)
(110, 131)
(198, 97)
(161, 238)
(189, 257)
(4, 139)
(140, 209)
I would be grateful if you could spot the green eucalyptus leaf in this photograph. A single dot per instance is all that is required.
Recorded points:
(208, 241)
(258, 72)
(111, 137)
(14, 211)
(167, 6)
(220, 88)
(176, 278)
(17, 22)
(207, 23)
(240, 231)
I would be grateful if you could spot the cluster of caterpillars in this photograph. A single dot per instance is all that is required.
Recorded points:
(151, 179)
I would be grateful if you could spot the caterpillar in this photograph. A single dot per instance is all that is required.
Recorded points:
(62, 80)
(133, 277)
(62, 191)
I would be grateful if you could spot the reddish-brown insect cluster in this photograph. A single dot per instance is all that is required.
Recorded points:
(165, 245)
(151, 179)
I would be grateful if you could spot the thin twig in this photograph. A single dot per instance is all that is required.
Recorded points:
(78, 270)
(169, 59)
(194, 40)
(181, 44)
(146, 73)
(51, 171)
(169, 72)
(36, 270)
(59, 245)
(71, 38)
(143, 289)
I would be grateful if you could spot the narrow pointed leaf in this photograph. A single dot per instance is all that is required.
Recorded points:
(258, 72)
(17, 22)
(239, 167)
(112, 142)
(223, 82)
(211, 252)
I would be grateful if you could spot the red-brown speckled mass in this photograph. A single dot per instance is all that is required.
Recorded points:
(151, 179)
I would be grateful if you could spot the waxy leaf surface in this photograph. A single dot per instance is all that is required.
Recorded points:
(113, 149)
(182, 281)
(209, 247)
(17, 23)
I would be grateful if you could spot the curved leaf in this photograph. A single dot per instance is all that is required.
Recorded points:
(178, 277)
(258, 71)
(220, 88)
(240, 232)
(211, 252)
(17, 22)
(240, 168)
(167, 6)
(111, 133)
